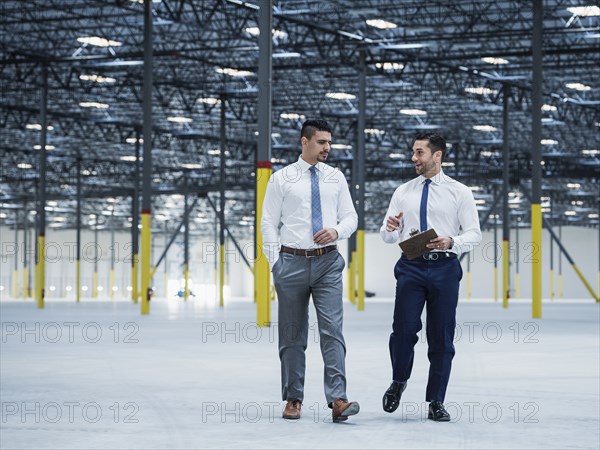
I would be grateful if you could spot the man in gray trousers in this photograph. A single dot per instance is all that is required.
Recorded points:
(306, 210)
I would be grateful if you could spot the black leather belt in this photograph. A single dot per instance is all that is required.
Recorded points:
(308, 253)
(434, 256)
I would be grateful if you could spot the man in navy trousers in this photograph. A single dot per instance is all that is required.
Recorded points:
(432, 200)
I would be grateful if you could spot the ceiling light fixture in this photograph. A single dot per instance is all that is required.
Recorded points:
(37, 126)
(381, 24)
(179, 119)
(209, 100)
(98, 41)
(234, 72)
(578, 86)
(548, 142)
(340, 96)
(94, 105)
(97, 78)
(480, 90)
(390, 66)
(413, 112)
(585, 11)
(495, 61)
(484, 128)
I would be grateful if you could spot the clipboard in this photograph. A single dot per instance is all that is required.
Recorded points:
(415, 246)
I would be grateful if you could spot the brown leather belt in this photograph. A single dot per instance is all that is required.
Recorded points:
(308, 253)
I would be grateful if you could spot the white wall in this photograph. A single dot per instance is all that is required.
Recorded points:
(582, 244)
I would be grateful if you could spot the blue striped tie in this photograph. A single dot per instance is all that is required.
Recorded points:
(423, 212)
(315, 200)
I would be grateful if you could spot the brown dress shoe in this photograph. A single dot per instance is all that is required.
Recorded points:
(342, 409)
(292, 409)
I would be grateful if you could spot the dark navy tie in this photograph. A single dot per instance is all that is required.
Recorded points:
(315, 200)
(424, 195)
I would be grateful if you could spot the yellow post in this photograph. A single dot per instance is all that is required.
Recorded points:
(40, 279)
(536, 266)
(16, 284)
(95, 285)
(186, 289)
(25, 283)
(505, 269)
(221, 275)
(146, 246)
(585, 282)
(360, 248)
(111, 283)
(551, 284)
(517, 286)
(134, 278)
(560, 284)
(352, 278)
(262, 274)
(469, 285)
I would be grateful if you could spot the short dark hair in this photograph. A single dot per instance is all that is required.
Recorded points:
(311, 126)
(436, 142)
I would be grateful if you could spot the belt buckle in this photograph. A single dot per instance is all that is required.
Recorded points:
(306, 255)
(431, 256)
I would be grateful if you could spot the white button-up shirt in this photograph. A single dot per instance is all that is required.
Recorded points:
(451, 211)
(287, 212)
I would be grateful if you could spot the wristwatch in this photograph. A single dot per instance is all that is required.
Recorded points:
(451, 243)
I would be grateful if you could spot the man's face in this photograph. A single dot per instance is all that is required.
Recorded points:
(317, 147)
(427, 163)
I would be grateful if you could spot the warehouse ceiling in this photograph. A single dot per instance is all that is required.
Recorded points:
(430, 65)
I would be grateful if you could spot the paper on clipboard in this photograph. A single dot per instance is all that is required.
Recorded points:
(416, 245)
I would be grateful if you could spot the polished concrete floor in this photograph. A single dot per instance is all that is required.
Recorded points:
(191, 375)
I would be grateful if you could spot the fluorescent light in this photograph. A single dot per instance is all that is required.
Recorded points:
(48, 147)
(98, 41)
(94, 105)
(340, 96)
(495, 61)
(548, 142)
(132, 140)
(484, 128)
(480, 90)
(292, 116)
(578, 86)
(97, 78)
(585, 11)
(179, 119)
(570, 213)
(413, 112)
(592, 215)
(573, 185)
(128, 158)
(191, 166)
(24, 166)
(277, 34)
(448, 164)
(407, 46)
(286, 55)
(374, 131)
(591, 152)
(381, 24)
(209, 100)
(341, 146)
(549, 108)
(37, 126)
(390, 66)
(234, 72)
(395, 155)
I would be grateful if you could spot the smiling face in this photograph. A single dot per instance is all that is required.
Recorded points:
(427, 162)
(316, 148)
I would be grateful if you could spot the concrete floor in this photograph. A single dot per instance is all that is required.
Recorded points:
(190, 375)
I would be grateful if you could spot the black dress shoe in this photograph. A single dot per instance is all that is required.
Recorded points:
(437, 412)
(391, 398)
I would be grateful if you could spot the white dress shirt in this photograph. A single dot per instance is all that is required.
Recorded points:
(287, 212)
(451, 211)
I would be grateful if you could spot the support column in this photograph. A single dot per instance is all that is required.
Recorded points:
(505, 210)
(495, 254)
(560, 277)
(165, 280)
(135, 222)
(96, 258)
(264, 169)
(41, 208)
(186, 242)
(15, 283)
(223, 142)
(517, 281)
(147, 167)
(111, 281)
(536, 161)
(360, 181)
(78, 233)
(26, 273)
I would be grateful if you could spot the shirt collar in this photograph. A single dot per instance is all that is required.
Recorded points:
(306, 166)
(436, 179)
